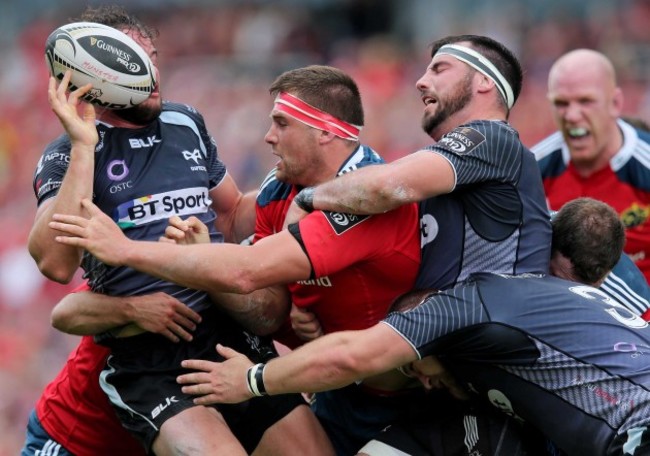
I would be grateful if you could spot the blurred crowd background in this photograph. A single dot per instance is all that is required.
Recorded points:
(220, 56)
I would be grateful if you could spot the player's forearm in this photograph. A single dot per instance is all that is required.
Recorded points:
(235, 211)
(87, 313)
(212, 268)
(243, 220)
(369, 190)
(57, 261)
(318, 366)
(380, 188)
(338, 359)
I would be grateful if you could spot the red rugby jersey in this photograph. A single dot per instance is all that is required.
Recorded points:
(76, 413)
(360, 263)
(624, 185)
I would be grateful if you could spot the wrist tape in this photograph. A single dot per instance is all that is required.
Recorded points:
(305, 199)
(255, 380)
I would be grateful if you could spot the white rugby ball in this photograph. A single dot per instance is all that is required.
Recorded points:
(119, 69)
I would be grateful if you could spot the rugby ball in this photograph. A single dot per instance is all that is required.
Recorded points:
(120, 71)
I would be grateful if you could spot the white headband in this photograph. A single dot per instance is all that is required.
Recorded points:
(482, 64)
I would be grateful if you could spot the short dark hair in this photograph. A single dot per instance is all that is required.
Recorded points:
(411, 299)
(500, 56)
(117, 17)
(324, 87)
(590, 234)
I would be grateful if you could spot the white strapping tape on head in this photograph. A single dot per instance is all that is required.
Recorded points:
(480, 63)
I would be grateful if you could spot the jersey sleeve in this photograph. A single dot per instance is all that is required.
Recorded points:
(263, 222)
(270, 206)
(81, 287)
(216, 168)
(333, 241)
(627, 285)
(51, 168)
(481, 152)
(439, 315)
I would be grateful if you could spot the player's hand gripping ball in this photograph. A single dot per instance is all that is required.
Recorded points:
(119, 69)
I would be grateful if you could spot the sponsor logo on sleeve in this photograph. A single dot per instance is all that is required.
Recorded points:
(52, 157)
(341, 222)
(44, 188)
(462, 140)
(161, 206)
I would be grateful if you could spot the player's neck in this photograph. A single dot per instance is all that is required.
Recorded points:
(477, 111)
(337, 156)
(602, 160)
(114, 120)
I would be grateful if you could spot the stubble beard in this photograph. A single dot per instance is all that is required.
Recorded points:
(448, 107)
(142, 114)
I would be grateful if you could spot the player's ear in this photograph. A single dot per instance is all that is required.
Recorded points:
(484, 83)
(325, 137)
(617, 102)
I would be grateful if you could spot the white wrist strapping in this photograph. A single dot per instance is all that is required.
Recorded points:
(255, 380)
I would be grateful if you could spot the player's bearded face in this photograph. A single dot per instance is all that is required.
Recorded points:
(149, 110)
(142, 114)
(457, 99)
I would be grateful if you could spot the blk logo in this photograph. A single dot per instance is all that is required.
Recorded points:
(139, 143)
(161, 407)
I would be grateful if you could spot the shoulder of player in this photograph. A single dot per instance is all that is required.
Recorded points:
(401, 223)
(551, 145)
(487, 127)
(632, 161)
(272, 190)
(363, 156)
(480, 136)
(480, 130)
(644, 136)
(60, 144)
(181, 108)
(370, 156)
(632, 164)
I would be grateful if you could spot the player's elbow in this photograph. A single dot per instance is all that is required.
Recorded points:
(55, 270)
(269, 318)
(242, 280)
(61, 319)
(53, 265)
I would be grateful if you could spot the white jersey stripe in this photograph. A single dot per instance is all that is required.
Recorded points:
(621, 292)
(51, 448)
(114, 396)
(471, 432)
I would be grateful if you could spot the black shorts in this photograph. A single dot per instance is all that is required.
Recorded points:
(443, 426)
(353, 415)
(140, 379)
